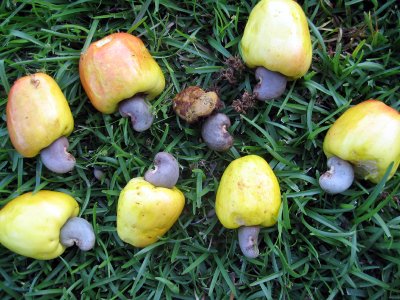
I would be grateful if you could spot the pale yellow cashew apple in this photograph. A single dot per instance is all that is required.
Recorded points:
(277, 42)
(366, 137)
(248, 198)
(146, 212)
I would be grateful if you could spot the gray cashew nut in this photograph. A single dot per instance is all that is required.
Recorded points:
(270, 84)
(98, 173)
(215, 133)
(77, 231)
(139, 111)
(165, 172)
(56, 158)
(248, 240)
(338, 178)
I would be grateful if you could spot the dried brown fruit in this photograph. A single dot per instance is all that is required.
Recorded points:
(193, 103)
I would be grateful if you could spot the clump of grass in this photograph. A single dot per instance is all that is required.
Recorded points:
(323, 247)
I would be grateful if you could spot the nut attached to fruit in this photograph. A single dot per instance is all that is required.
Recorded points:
(79, 232)
(56, 158)
(119, 68)
(338, 178)
(165, 172)
(138, 110)
(248, 197)
(367, 136)
(39, 119)
(42, 225)
(193, 103)
(270, 84)
(277, 40)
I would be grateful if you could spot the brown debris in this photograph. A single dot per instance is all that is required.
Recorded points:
(246, 102)
(233, 72)
(384, 195)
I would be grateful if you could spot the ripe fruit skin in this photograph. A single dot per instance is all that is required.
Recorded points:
(368, 136)
(146, 212)
(30, 224)
(248, 194)
(116, 68)
(37, 114)
(277, 38)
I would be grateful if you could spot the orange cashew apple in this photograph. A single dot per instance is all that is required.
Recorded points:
(118, 72)
(39, 120)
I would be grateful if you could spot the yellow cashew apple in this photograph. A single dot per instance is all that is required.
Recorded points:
(248, 194)
(277, 38)
(30, 224)
(367, 135)
(146, 212)
(248, 198)
(37, 114)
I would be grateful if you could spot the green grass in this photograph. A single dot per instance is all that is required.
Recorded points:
(323, 247)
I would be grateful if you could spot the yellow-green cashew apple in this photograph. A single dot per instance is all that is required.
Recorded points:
(42, 225)
(118, 72)
(248, 198)
(367, 137)
(146, 212)
(277, 42)
(39, 120)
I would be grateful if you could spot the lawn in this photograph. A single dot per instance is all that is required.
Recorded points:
(343, 246)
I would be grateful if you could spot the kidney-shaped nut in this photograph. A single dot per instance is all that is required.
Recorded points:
(37, 114)
(270, 84)
(30, 224)
(117, 68)
(146, 212)
(56, 158)
(193, 103)
(248, 240)
(215, 132)
(165, 172)
(338, 178)
(79, 232)
(139, 111)
(367, 135)
(248, 195)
